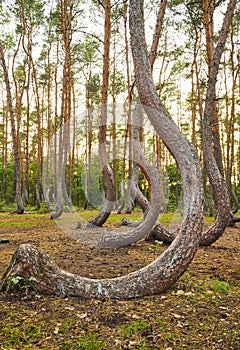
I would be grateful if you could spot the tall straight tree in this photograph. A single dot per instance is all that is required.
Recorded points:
(29, 11)
(108, 176)
(230, 120)
(208, 17)
(66, 16)
(20, 207)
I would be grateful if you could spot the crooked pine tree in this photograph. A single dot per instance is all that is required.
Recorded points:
(29, 261)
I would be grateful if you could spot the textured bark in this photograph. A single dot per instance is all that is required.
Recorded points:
(62, 196)
(108, 176)
(230, 126)
(218, 183)
(212, 162)
(116, 239)
(157, 33)
(18, 191)
(135, 190)
(129, 112)
(158, 115)
(208, 14)
(158, 276)
(31, 263)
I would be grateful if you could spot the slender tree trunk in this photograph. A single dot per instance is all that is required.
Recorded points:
(138, 196)
(20, 207)
(208, 12)
(212, 166)
(73, 146)
(48, 159)
(66, 109)
(4, 144)
(108, 176)
(127, 134)
(114, 128)
(230, 129)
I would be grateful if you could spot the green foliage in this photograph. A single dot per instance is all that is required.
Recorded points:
(94, 87)
(118, 83)
(33, 12)
(174, 187)
(6, 184)
(15, 280)
(22, 283)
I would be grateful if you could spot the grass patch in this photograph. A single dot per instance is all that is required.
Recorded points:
(214, 286)
(24, 220)
(134, 328)
(24, 334)
(67, 324)
(90, 342)
(220, 287)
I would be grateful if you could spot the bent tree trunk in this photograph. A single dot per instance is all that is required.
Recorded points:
(218, 183)
(158, 276)
(136, 192)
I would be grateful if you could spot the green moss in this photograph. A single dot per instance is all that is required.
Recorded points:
(22, 334)
(220, 286)
(90, 342)
(134, 327)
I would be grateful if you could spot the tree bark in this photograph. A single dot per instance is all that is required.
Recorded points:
(20, 207)
(213, 167)
(218, 183)
(158, 276)
(66, 110)
(108, 175)
(135, 190)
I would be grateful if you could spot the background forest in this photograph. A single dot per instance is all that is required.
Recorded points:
(54, 60)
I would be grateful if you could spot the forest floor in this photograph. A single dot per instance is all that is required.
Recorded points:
(201, 311)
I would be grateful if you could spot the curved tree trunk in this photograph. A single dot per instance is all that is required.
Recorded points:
(164, 271)
(218, 183)
(137, 194)
(212, 166)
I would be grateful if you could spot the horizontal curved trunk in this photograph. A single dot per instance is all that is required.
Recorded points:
(116, 239)
(44, 275)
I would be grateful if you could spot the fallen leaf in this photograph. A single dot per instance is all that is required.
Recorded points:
(82, 316)
(132, 342)
(56, 330)
(71, 308)
(180, 292)
(178, 316)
